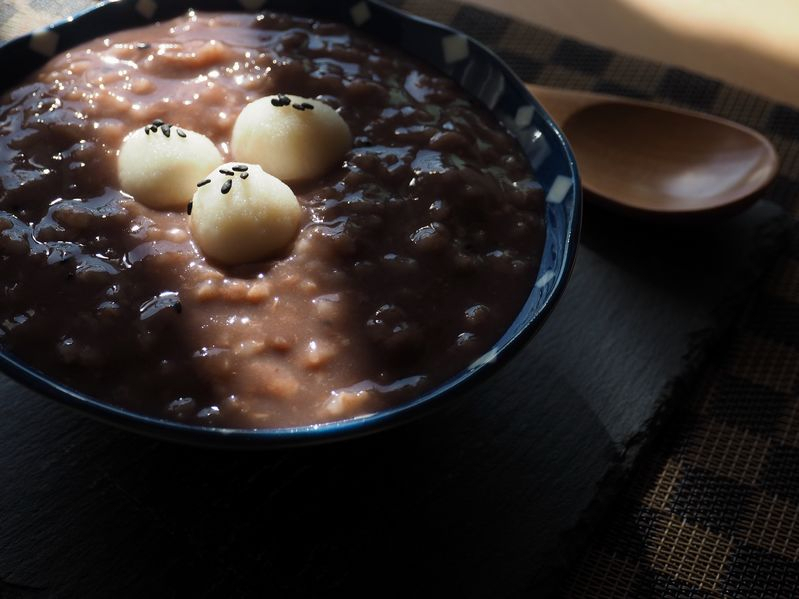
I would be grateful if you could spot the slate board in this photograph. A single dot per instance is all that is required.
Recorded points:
(489, 497)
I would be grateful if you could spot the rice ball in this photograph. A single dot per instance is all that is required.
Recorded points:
(241, 214)
(291, 137)
(160, 164)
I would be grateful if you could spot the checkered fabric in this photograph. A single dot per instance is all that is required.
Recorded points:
(713, 511)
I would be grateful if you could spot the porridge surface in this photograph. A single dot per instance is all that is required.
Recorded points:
(413, 256)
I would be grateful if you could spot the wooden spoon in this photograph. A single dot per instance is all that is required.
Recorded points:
(647, 159)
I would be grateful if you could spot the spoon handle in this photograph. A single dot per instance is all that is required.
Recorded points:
(562, 103)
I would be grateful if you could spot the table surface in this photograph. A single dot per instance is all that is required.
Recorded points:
(93, 483)
(754, 45)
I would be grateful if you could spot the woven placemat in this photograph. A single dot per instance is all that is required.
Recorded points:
(714, 510)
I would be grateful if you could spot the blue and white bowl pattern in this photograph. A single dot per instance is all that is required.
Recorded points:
(480, 72)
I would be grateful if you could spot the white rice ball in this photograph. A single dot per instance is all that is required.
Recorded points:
(241, 214)
(291, 137)
(159, 165)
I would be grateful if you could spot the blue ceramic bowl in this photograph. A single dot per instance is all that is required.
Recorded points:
(480, 72)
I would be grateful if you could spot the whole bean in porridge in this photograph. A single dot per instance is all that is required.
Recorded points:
(413, 254)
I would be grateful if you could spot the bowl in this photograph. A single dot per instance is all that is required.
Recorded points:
(479, 72)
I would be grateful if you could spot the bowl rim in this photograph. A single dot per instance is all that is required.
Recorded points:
(263, 438)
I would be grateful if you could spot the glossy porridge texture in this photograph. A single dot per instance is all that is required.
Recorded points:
(414, 254)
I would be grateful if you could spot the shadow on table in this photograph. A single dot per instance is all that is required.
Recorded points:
(462, 502)
(475, 500)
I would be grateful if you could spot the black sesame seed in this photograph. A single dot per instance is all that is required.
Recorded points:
(147, 131)
(298, 106)
(158, 122)
(143, 46)
(165, 129)
(181, 132)
(203, 182)
(189, 207)
(226, 172)
(244, 175)
(178, 307)
(276, 102)
(153, 128)
(307, 106)
(240, 168)
(227, 185)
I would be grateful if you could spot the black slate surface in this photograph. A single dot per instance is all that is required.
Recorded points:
(489, 497)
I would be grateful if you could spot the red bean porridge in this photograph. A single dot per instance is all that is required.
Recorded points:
(414, 254)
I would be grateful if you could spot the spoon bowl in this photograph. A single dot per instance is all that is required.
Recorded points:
(652, 160)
